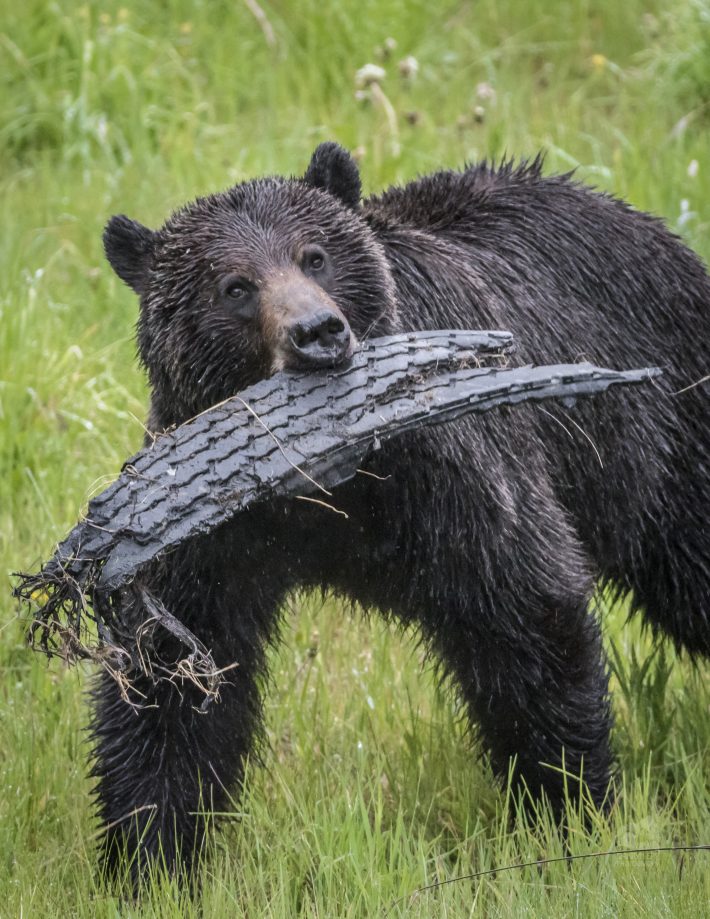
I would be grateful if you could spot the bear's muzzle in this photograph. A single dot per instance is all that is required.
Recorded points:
(303, 326)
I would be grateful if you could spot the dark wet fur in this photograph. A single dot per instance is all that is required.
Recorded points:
(490, 533)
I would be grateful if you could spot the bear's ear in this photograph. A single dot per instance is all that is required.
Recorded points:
(335, 171)
(129, 248)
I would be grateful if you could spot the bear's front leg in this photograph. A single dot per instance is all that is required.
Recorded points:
(515, 631)
(484, 555)
(538, 691)
(162, 765)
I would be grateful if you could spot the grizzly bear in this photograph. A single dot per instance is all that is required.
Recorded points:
(490, 533)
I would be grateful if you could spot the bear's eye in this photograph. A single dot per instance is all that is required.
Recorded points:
(239, 297)
(237, 290)
(313, 259)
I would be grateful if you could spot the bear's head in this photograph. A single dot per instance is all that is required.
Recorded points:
(272, 274)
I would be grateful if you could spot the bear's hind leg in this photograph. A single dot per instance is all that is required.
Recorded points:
(668, 569)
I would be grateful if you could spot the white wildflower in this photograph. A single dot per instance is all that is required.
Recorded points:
(485, 92)
(409, 67)
(369, 74)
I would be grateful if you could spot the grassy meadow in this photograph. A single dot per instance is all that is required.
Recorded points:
(370, 789)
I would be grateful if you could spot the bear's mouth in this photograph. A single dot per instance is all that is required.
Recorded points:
(323, 358)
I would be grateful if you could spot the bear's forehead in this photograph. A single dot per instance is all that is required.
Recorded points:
(259, 204)
(257, 223)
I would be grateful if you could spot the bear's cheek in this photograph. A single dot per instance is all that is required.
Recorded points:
(232, 344)
(205, 349)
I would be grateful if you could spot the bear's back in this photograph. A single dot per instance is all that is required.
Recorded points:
(573, 272)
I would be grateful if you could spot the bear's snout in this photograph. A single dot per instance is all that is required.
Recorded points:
(302, 325)
(321, 339)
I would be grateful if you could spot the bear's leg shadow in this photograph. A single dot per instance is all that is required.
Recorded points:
(163, 767)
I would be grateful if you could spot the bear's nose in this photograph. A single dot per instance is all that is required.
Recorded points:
(321, 339)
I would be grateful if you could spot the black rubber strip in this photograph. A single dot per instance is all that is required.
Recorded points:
(279, 437)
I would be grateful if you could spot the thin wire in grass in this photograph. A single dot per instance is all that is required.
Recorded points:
(539, 862)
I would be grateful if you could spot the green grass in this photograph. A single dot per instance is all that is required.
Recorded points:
(371, 789)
